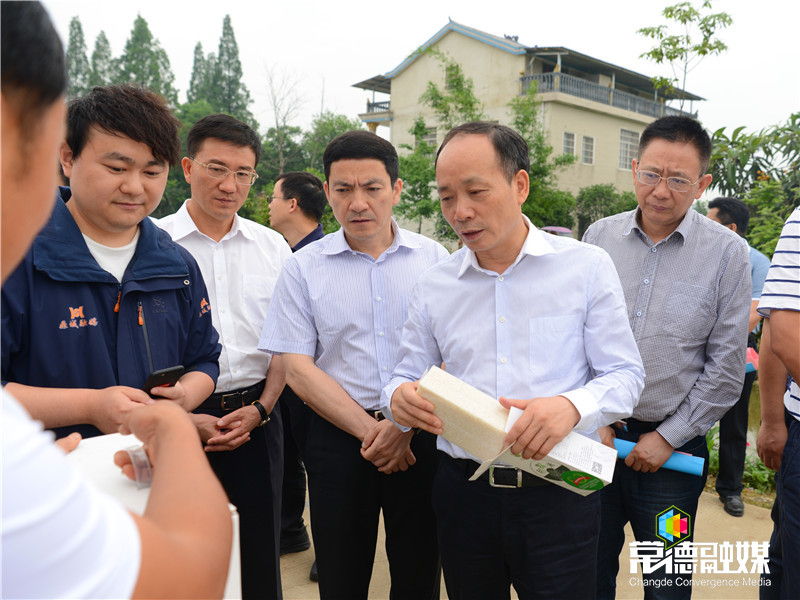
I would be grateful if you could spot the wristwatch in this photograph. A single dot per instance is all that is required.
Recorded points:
(263, 412)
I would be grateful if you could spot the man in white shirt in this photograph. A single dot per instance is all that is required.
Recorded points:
(240, 261)
(537, 321)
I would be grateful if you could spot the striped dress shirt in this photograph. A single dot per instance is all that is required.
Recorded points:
(347, 309)
(782, 289)
(688, 300)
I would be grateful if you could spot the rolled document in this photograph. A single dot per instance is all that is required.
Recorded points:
(684, 463)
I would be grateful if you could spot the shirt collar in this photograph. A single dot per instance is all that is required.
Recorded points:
(184, 225)
(339, 245)
(536, 244)
(682, 229)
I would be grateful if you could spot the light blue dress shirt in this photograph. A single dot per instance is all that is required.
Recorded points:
(554, 323)
(347, 309)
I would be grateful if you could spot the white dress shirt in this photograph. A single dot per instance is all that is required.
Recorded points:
(346, 309)
(554, 323)
(240, 272)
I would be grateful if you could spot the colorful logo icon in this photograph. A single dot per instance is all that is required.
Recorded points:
(673, 526)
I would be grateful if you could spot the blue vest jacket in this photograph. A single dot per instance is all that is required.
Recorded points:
(68, 323)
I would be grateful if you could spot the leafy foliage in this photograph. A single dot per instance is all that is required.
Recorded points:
(77, 62)
(103, 67)
(146, 63)
(324, 128)
(683, 51)
(599, 201)
(417, 172)
(456, 103)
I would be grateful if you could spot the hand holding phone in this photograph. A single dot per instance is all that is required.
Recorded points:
(168, 377)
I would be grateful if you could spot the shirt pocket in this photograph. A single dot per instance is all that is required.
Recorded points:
(689, 312)
(556, 343)
(256, 295)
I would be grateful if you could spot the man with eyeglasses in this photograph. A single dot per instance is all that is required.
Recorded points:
(687, 289)
(240, 261)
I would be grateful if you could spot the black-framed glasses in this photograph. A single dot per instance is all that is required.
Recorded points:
(220, 172)
(676, 184)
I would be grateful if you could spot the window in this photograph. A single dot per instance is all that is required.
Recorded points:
(569, 143)
(628, 147)
(429, 138)
(587, 150)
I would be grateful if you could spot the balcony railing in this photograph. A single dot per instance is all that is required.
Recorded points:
(375, 107)
(581, 88)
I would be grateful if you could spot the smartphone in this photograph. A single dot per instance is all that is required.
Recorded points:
(168, 377)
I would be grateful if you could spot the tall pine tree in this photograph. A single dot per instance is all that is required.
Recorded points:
(77, 62)
(102, 68)
(145, 62)
(230, 94)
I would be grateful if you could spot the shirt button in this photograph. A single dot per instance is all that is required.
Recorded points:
(502, 319)
(653, 249)
(222, 310)
(647, 281)
(378, 298)
(380, 334)
(638, 313)
(384, 368)
(504, 360)
(228, 340)
(500, 278)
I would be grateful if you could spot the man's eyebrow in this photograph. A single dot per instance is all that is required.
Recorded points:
(467, 181)
(216, 161)
(113, 155)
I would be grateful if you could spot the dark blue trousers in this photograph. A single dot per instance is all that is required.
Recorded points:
(638, 498)
(541, 540)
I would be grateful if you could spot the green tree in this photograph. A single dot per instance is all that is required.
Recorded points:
(417, 201)
(201, 83)
(324, 128)
(102, 71)
(282, 152)
(456, 103)
(682, 51)
(769, 209)
(546, 205)
(230, 94)
(77, 61)
(598, 201)
(146, 63)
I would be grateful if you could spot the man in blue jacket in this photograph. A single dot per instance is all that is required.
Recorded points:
(104, 297)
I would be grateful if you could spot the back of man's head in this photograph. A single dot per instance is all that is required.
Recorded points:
(307, 190)
(33, 68)
(222, 127)
(679, 129)
(511, 148)
(361, 144)
(128, 110)
(732, 211)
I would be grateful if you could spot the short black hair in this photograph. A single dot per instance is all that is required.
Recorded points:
(512, 149)
(128, 110)
(34, 72)
(307, 190)
(732, 210)
(679, 129)
(359, 144)
(222, 127)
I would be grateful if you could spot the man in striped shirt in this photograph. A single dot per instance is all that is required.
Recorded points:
(687, 288)
(780, 305)
(335, 318)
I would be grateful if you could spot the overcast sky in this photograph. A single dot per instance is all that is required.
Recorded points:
(328, 46)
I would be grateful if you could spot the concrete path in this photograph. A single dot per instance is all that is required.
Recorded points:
(714, 525)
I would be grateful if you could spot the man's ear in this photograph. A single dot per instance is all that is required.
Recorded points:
(67, 159)
(186, 164)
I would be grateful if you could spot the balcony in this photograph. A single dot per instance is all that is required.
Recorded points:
(375, 107)
(588, 90)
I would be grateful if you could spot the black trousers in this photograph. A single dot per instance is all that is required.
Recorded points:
(252, 476)
(733, 442)
(293, 502)
(542, 540)
(347, 494)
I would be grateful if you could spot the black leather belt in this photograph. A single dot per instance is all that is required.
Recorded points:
(234, 399)
(500, 476)
(637, 426)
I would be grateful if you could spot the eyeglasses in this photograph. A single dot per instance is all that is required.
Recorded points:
(271, 198)
(676, 184)
(220, 172)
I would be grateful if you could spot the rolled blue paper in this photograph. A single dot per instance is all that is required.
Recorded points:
(685, 463)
